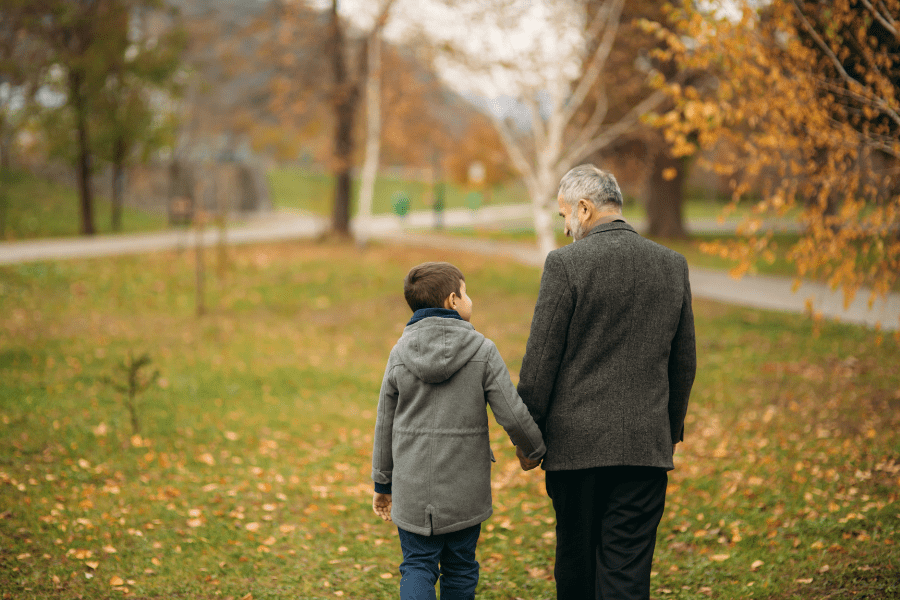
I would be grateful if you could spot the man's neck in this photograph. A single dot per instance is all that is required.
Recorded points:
(603, 218)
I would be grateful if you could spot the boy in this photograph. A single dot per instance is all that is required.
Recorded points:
(432, 452)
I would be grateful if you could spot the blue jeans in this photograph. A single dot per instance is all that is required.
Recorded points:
(452, 555)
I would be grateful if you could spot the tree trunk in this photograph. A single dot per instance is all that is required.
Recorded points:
(5, 144)
(373, 128)
(666, 196)
(118, 185)
(346, 96)
(540, 192)
(83, 163)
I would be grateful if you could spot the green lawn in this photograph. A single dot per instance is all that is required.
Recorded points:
(250, 474)
(31, 207)
(306, 190)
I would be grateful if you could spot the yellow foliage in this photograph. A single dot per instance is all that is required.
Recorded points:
(809, 137)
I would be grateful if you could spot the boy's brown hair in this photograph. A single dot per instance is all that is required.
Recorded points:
(429, 284)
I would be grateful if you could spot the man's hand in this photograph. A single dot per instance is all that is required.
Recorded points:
(526, 463)
(381, 504)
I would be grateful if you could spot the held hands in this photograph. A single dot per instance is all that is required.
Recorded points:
(526, 463)
(381, 504)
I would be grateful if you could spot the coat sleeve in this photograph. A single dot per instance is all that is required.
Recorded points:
(547, 340)
(382, 453)
(682, 364)
(508, 408)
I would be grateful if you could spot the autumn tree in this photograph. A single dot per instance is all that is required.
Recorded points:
(22, 60)
(805, 112)
(129, 124)
(559, 79)
(82, 36)
(620, 88)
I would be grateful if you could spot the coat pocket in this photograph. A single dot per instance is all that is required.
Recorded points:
(492, 454)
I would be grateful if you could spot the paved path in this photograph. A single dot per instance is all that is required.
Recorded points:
(758, 291)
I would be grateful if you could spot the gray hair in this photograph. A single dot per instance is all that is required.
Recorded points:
(593, 184)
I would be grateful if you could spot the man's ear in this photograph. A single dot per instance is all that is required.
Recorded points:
(585, 207)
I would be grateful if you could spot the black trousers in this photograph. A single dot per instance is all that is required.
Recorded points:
(606, 521)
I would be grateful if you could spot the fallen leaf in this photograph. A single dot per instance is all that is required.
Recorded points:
(116, 580)
(109, 549)
(804, 580)
(386, 575)
(756, 564)
(719, 557)
(92, 564)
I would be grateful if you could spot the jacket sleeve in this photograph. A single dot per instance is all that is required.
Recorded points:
(547, 340)
(682, 364)
(508, 408)
(382, 453)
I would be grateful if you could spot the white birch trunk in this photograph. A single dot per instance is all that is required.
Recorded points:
(542, 196)
(373, 132)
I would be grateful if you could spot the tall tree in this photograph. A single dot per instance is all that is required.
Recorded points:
(23, 59)
(619, 89)
(349, 72)
(128, 122)
(806, 110)
(561, 87)
(84, 38)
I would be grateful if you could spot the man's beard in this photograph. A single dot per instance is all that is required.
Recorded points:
(576, 228)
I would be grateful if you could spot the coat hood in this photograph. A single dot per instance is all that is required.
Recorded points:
(434, 349)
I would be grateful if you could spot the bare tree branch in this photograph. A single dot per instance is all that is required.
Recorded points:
(593, 123)
(613, 12)
(612, 132)
(885, 19)
(538, 127)
(516, 153)
(851, 81)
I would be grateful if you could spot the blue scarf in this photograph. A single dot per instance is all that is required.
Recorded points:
(424, 313)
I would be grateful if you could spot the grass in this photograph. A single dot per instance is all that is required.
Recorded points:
(306, 190)
(31, 207)
(690, 247)
(302, 189)
(250, 474)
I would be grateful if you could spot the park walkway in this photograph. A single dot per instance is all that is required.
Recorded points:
(757, 291)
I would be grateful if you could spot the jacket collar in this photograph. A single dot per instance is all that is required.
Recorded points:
(424, 313)
(611, 223)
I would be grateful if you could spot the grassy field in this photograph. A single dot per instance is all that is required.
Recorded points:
(691, 247)
(302, 189)
(306, 190)
(31, 207)
(249, 477)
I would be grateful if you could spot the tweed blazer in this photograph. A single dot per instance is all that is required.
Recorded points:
(611, 356)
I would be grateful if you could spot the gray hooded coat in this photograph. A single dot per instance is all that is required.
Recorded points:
(431, 432)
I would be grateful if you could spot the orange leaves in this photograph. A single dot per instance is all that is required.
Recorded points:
(780, 122)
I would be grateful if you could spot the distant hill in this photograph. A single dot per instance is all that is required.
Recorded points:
(237, 54)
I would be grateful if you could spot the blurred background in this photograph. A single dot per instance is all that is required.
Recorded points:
(142, 114)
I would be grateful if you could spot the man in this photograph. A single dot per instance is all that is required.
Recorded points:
(607, 373)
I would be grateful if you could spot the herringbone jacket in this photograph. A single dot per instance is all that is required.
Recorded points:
(611, 356)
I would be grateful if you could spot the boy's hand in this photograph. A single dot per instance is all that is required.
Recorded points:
(526, 463)
(381, 504)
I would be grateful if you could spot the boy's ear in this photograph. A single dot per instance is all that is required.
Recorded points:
(449, 301)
